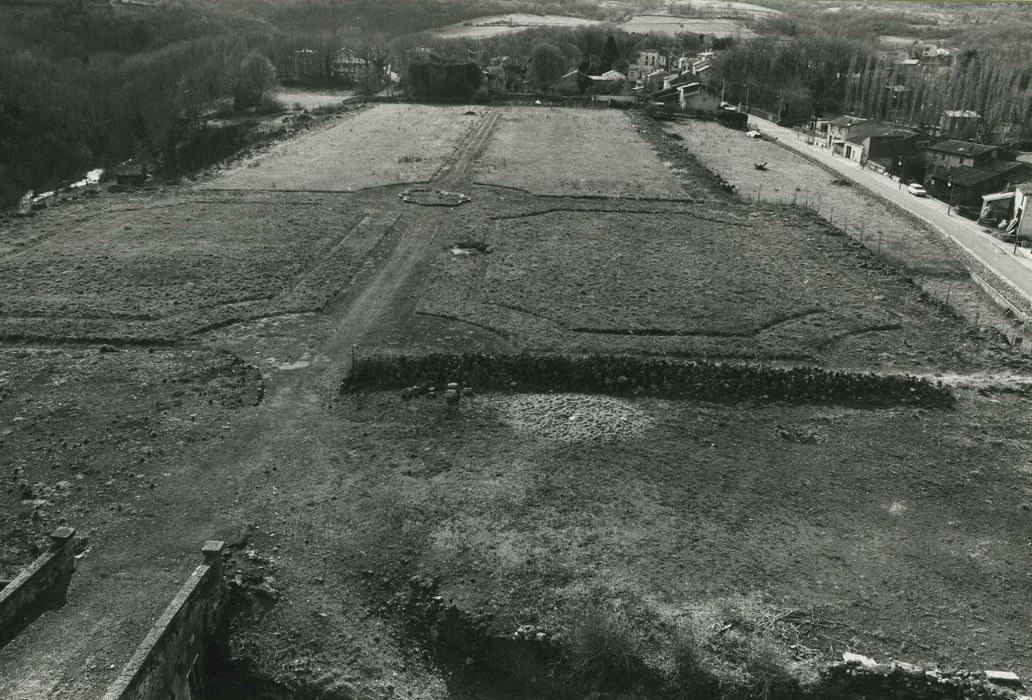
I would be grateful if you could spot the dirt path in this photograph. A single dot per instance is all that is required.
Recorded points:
(123, 584)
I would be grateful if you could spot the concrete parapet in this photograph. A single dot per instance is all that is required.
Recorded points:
(39, 587)
(169, 662)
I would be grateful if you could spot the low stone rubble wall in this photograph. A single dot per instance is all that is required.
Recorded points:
(39, 587)
(629, 375)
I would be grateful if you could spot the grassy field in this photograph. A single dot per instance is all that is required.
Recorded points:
(383, 145)
(557, 152)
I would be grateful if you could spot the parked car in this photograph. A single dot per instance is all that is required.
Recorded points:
(917, 190)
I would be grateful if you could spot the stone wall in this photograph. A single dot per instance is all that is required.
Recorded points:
(631, 375)
(40, 586)
(169, 662)
(859, 678)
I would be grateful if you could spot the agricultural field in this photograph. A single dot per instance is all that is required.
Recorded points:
(384, 145)
(673, 25)
(791, 179)
(493, 25)
(172, 371)
(758, 283)
(556, 152)
(720, 19)
(168, 267)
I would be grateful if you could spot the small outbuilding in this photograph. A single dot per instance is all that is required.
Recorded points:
(130, 174)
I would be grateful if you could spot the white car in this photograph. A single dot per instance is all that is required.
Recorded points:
(917, 190)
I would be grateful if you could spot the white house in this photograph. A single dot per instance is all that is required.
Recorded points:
(697, 99)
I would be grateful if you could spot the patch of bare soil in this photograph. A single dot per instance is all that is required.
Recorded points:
(387, 144)
(572, 417)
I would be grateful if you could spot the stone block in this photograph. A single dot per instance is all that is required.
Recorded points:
(852, 659)
(1003, 677)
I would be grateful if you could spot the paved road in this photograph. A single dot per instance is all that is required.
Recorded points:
(992, 252)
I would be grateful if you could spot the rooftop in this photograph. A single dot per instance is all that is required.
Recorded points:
(960, 148)
(966, 176)
(847, 120)
(963, 113)
(892, 130)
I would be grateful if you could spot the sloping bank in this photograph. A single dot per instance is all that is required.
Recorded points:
(630, 375)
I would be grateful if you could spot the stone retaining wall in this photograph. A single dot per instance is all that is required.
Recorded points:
(169, 662)
(40, 586)
(859, 677)
(629, 375)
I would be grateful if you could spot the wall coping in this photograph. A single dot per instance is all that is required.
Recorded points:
(165, 624)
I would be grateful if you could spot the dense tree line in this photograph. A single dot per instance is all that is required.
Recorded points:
(997, 84)
(86, 85)
(793, 78)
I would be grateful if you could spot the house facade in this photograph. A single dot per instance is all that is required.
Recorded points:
(846, 136)
(888, 146)
(965, 186)
(696, 98)
(651, 60)
(945, 155)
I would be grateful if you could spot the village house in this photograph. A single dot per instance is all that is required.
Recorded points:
(651, 60)
(846, 135)
(964, 186)
(653, 80)
(947, 154)
(959, 123)
(1007, 208)
(887, 146)
(130, 174)
(696, 98)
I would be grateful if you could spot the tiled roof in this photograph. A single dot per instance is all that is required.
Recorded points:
(960, 148)
(966, 176)
(846, 120)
